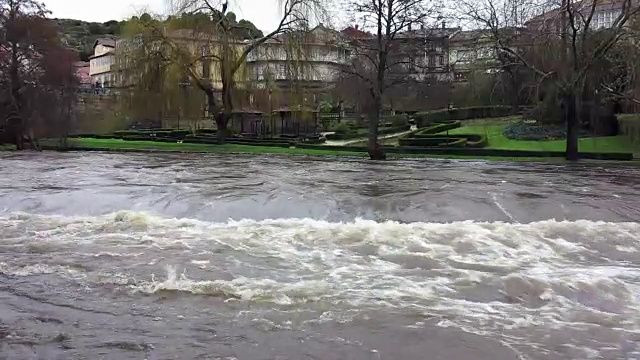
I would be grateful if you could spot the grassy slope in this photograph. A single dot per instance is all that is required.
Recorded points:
(494, 131)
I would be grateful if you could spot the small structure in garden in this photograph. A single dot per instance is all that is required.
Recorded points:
(248, 122)
(298, 121)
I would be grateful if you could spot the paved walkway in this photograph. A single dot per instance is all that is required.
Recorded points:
(355, 141)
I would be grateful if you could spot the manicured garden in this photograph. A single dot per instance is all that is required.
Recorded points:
(93, 144)
(494, 131)
(442, 134)
(350, 131)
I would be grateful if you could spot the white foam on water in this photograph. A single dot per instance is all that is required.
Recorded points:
(476, 276)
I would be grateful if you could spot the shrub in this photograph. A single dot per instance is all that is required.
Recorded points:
(343, 136)
(399, 120)
(341, 128)
(315, 140)
(393, 129)
(129, 133)
(172, 134)
(476, 141)
(206, 132)
(438, 128)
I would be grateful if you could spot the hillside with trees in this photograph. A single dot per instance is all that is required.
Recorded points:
(80, 35)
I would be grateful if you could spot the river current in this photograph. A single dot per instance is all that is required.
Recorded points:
(157, 256)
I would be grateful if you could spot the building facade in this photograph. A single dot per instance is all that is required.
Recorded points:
(314, 57)
(101, 63)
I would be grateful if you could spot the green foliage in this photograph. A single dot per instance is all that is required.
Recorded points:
(80, 35)
(399, 120)
(547, 111)
(444, 125)
(341, 128)
(243, 30)
(325, 107)
(427, 137)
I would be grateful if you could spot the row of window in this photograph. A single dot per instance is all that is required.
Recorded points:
(102, 61)
(605, 19)
(430, 61)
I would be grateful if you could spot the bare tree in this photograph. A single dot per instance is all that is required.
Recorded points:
(378, 56)
(574, 30)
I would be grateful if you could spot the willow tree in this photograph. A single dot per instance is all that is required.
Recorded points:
(221, 47)
(156, 85)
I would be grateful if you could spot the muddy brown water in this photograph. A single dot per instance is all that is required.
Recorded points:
(151, 256)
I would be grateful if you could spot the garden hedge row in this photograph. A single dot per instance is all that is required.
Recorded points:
(240, 141)
(437, 128)
(458, 140)
(474, 152)
(477, 112)
(356, 135)
(443, 140)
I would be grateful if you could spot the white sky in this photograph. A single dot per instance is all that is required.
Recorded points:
(263, 13)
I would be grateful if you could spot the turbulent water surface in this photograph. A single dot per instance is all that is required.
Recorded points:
(118, 256)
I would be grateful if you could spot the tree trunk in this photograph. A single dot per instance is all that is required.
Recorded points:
(573, 127)
(375, 150)
(216, 115)
(222, 119)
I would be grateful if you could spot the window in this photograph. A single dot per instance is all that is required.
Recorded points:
(462, 55)
(432, 61)
(206, 62)
(281, 71)
(441, 60)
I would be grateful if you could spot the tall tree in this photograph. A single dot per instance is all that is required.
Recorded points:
(222, 45)
(379, 55)
(565, 43)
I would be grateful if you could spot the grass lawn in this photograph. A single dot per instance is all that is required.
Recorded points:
(494, 131)
(117, 144)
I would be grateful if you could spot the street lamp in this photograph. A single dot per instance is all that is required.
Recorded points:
(184, 89)
(273, 129)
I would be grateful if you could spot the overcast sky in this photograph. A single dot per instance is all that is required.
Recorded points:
(263, 13)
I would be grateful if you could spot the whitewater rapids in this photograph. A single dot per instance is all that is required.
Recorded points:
(142, 283)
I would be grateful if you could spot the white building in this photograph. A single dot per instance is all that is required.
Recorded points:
(316, 56)
(101, 63)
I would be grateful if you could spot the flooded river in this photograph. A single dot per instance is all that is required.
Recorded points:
(143, 256)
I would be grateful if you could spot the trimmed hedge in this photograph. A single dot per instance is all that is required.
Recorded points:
(474, 152)
(438, 128)
(206, 132)
(356, 135)
(438, 141)
(240, 141)
(477, 112)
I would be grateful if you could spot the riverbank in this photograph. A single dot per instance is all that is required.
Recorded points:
(90, 144)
